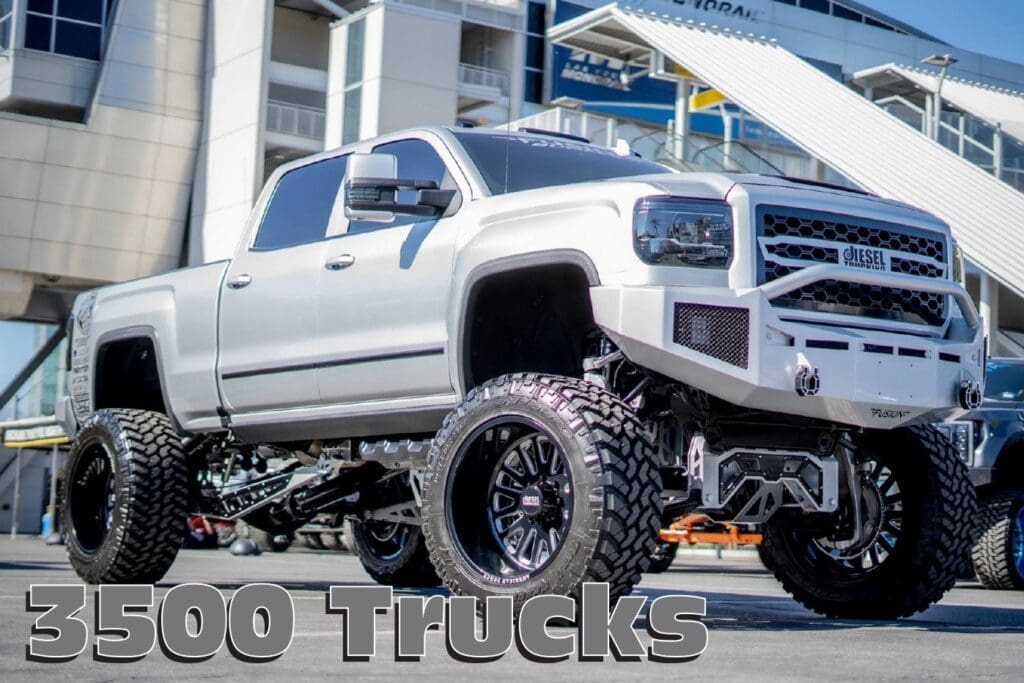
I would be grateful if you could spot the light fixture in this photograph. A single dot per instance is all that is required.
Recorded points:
(945, 61)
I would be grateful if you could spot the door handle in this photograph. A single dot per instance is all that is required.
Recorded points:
(239, 281)
(340, 262)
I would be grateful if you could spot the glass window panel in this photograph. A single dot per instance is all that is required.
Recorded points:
(535, 52)
(37, 32)
(301, 205)
(875, 22)
(351, 116)
(354, 52)
(83, 10)
(787, 2)
(844, 13)
(5, 6)
(5, 33)
(535, 18)
(534, 87)
(41, 6)
(512, 163)
(815, 5)
(78, 40)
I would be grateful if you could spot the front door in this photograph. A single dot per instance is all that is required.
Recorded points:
(384, 295)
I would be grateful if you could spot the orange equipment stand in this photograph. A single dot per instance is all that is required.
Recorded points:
(682, 531)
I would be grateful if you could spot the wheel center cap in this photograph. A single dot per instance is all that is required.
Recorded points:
(531, 501)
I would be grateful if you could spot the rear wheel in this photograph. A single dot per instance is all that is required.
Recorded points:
(538, 484)
(998, 555)
(392, 551)
(126, 497)
(916, 509)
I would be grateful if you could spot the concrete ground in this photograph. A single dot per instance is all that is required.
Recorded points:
(756, 631)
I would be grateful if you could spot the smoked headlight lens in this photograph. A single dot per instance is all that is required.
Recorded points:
(683, 232)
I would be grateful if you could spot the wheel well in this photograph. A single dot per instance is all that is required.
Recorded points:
(1009, 468)
(536, 319)
(127, 376)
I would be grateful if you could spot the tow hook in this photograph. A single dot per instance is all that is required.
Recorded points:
(808, 383)
(970, 394)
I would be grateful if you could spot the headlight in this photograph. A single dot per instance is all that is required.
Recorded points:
(961, 434)
(958, 263)
(683, 232)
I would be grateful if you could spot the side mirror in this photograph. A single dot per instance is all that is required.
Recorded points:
(372, 186)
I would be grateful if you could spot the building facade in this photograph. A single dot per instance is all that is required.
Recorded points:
(136, 135)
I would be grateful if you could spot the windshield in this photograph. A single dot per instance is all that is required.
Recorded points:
(1005, 382)
(513, 163)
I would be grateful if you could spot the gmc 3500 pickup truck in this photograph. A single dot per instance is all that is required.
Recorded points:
(507, 358)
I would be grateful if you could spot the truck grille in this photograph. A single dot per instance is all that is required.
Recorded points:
(792, 239)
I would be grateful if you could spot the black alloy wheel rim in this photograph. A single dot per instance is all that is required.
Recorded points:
(387, 539)
(513, 527)
(882, 525)
(92, 498)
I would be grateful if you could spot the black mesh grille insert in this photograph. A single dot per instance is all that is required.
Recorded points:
(797, 235)
(778, 224)
(718, 331)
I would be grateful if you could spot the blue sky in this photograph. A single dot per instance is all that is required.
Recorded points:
(991, 27)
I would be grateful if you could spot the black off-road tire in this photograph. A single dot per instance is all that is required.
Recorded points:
(410, 567)
(150, 489)
(616, 504)
(992, 554)
(939, 507)
(272, 542)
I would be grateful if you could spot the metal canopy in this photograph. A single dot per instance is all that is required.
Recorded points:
(828, 121)
(995, 106)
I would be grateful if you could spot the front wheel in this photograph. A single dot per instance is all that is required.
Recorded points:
(917, 505)
(538, 484)
(126, 497)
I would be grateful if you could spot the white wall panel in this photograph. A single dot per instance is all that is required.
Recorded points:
(16, 217)
(88, 227)
(229, 171)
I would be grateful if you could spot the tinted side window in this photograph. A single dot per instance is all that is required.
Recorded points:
(301, 205)
(417, 160)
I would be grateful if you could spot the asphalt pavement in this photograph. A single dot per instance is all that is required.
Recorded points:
(756, 632)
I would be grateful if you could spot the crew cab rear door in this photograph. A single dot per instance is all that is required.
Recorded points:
(268, 305)
(384, 293)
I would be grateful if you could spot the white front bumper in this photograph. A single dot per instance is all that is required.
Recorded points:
(861, 383)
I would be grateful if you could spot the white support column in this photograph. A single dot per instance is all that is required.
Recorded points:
(682, 118)
(929, 119)
(726, 139)
(54, 463)
(989, 306)
(997, 151)
(16, 508)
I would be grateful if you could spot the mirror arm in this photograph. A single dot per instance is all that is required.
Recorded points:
(393, 183)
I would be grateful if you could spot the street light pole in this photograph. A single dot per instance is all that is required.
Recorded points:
(943, 62)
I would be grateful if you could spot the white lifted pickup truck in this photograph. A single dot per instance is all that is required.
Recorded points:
(508, 358)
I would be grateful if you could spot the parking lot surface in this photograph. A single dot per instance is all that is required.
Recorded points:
(755, 631)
